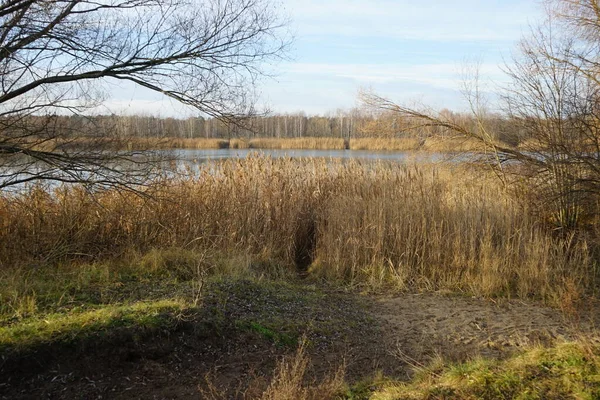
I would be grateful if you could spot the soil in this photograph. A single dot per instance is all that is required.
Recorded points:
(222, 345)
(423, 326)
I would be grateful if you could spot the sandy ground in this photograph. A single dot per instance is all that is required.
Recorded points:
(422, 326)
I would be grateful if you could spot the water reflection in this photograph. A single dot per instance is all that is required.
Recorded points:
(219, 154)
(173, 162)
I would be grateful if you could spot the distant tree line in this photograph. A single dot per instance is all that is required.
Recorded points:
(355, 123)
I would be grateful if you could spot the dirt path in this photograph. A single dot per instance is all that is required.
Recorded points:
(224, 341)
(425, 325)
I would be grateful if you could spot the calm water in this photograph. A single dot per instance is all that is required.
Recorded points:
(220, 154)
(192, 160)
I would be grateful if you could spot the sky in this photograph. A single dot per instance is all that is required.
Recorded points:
(410, 51)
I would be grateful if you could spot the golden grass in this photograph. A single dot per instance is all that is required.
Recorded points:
(289, 382)
(239, 144)
(406, 144)
(306, 143)
(380, 226)
(434, 144)
(175, 143)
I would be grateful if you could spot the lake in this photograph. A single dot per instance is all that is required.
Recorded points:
(205, 155)
(192, 160)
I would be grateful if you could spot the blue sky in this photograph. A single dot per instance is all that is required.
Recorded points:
(409, 51)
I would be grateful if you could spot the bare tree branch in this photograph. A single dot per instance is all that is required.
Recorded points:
(55, 56)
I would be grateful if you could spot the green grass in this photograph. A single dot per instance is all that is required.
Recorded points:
(566, 371)
(77, 325)
(271, 334)
(147, 294)
(70, 304)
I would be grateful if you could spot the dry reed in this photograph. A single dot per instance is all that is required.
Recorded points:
(175, 143)
(305, 143)
(308, 143)
(392, 144)
(290, 381)
(434, 144)
(375, 225)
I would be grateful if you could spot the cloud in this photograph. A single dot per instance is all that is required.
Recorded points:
(442, 75)
(321, 87)
(404, 49)
(434, 20)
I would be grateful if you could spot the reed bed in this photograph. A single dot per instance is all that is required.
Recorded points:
(392, 144)
(175, 143)
(306, 143)
(239, 144)
(434, 144)
(380, 226)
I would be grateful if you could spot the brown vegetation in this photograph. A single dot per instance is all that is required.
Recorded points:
(308, 143)
(379, 226)
(434, 144)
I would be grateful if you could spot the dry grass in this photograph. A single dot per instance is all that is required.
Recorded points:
(239, 144)
(406, 144)
(442, 145)
(290, 381)
(306, 143)
(454, 144)
(374, 225)
(175, 143)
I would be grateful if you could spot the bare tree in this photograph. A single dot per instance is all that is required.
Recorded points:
(55, 56)
(553, 105)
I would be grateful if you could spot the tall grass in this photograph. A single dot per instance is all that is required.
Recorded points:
(392, 144)
(437, 144)
(375, 225)
(306, 143)
(175, 143)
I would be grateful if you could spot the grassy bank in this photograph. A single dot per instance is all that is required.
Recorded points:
(103, 335)
(375, 226)
(564, 371)
(247, 260)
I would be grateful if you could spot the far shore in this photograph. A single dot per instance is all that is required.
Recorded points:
(433, 144)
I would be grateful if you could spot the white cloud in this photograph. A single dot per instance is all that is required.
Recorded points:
(406, 19)
(318, 87)
(402, 48)
(443, 75)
